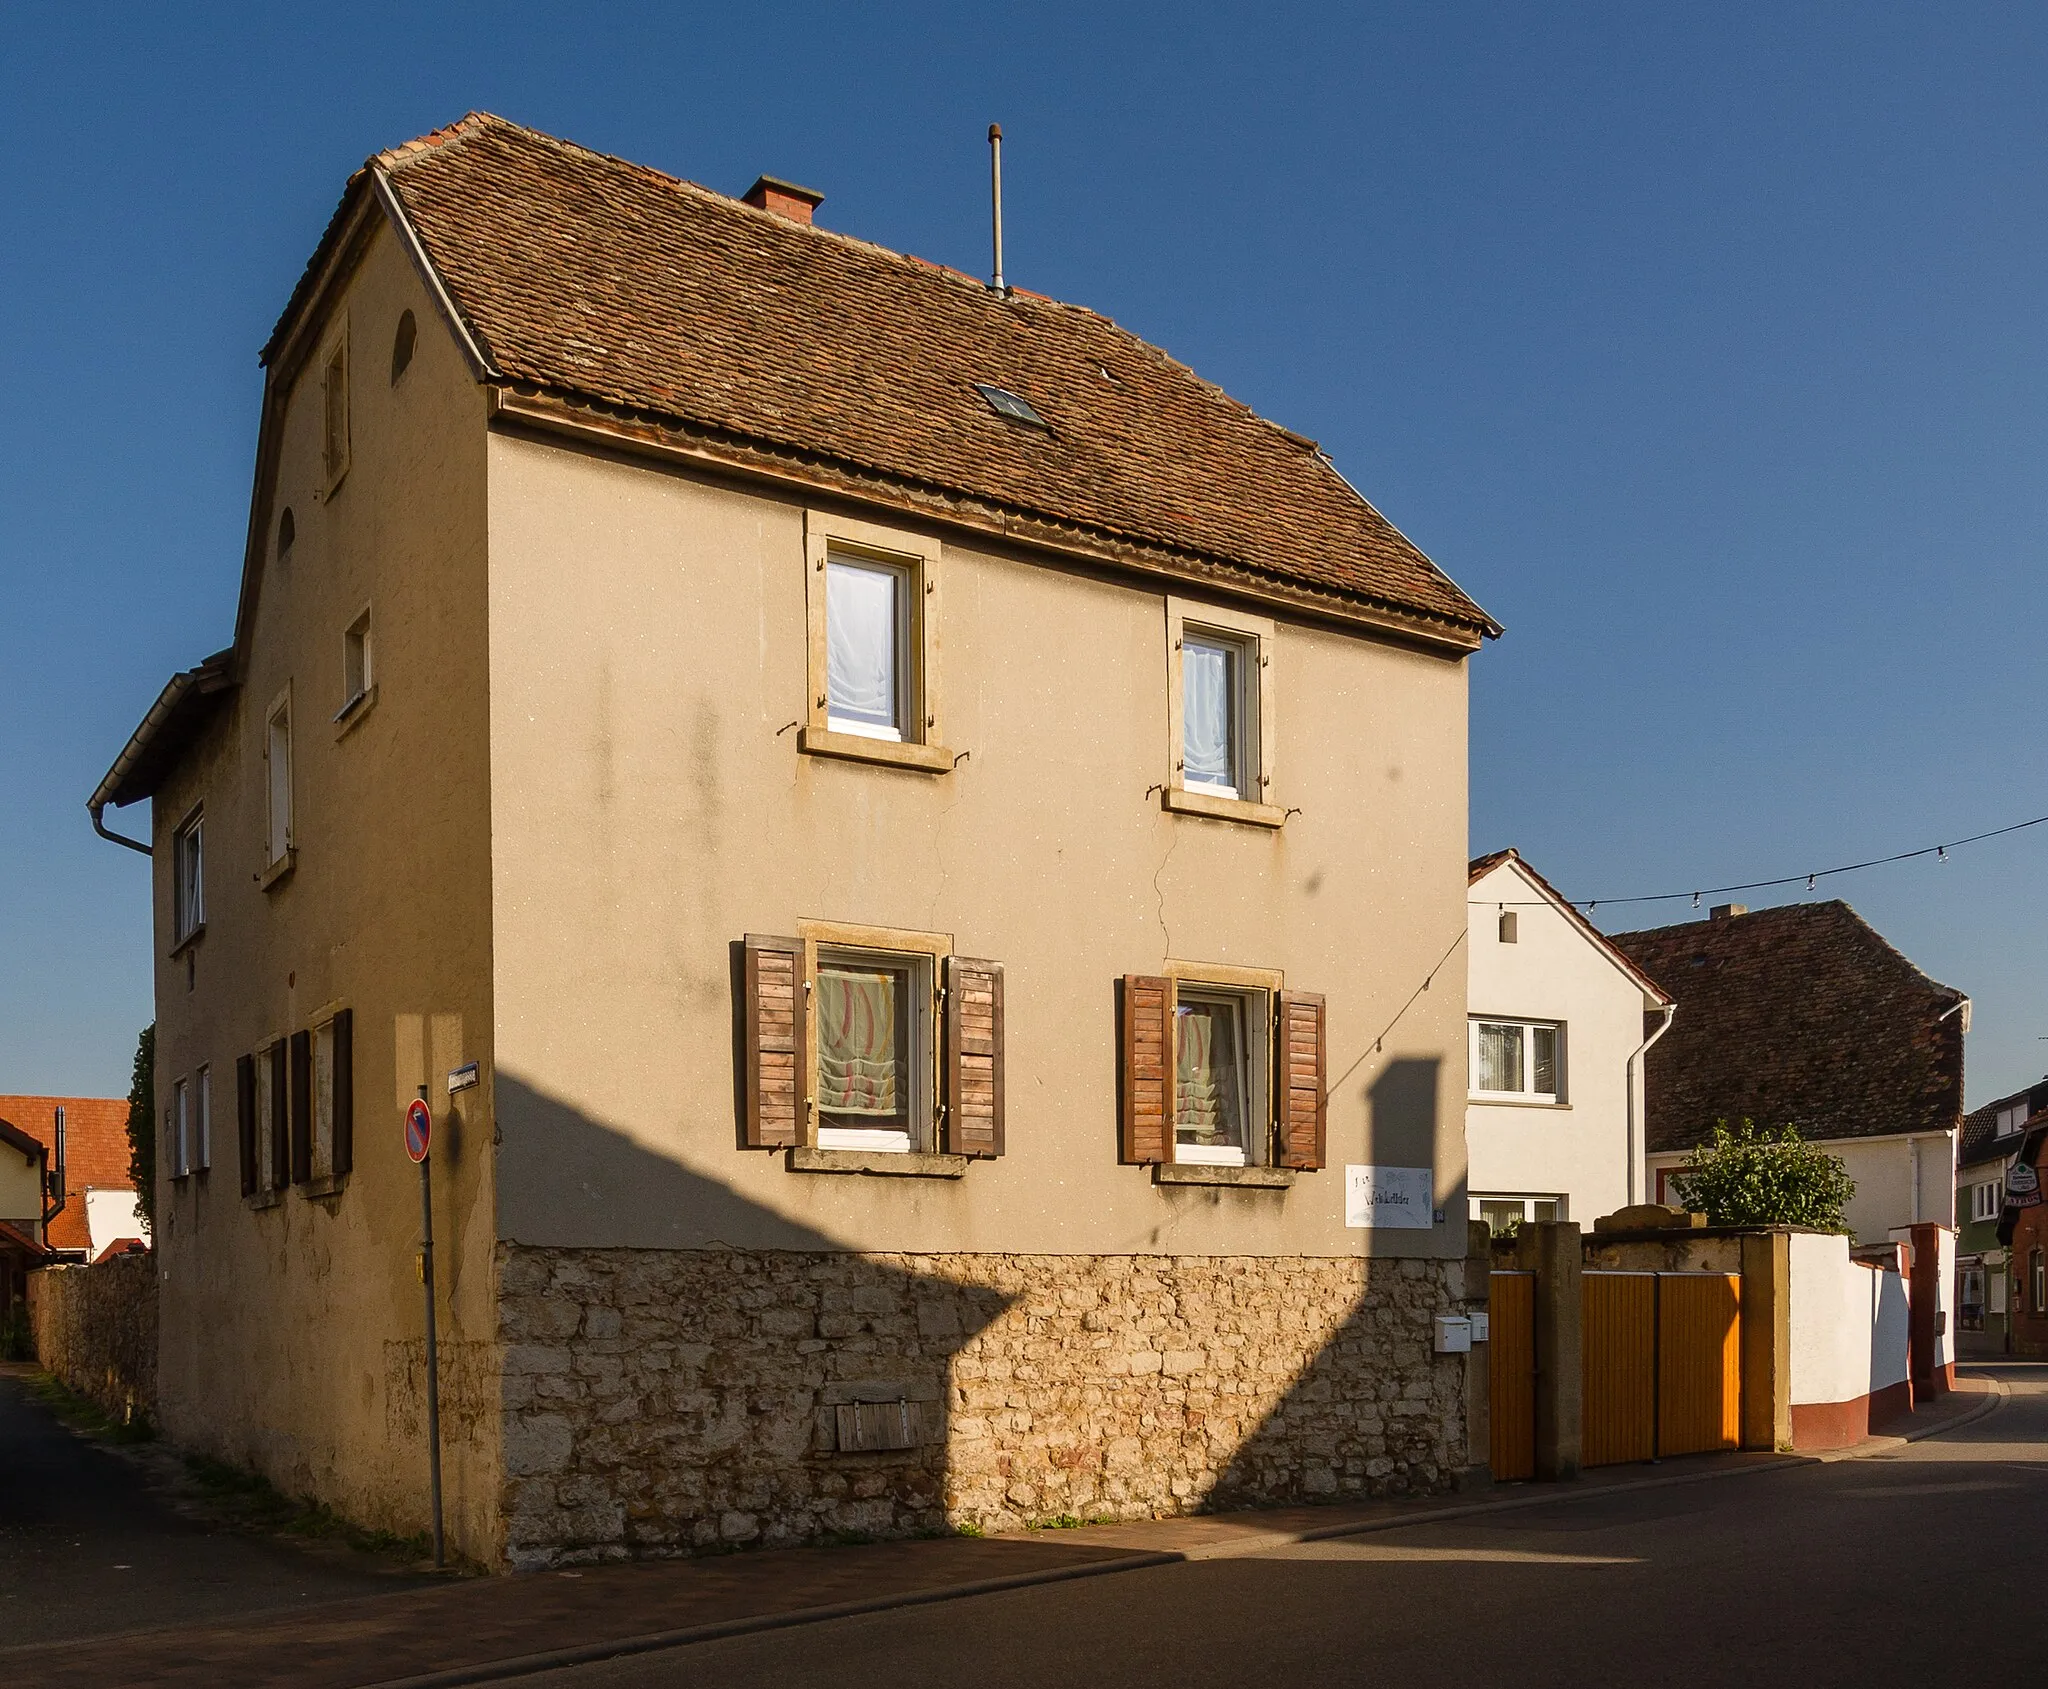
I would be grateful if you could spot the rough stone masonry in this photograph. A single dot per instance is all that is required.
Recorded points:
(669, 1401)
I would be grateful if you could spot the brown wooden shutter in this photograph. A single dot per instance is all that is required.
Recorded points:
(773, 1011)
(302, 1107)
(1301, 1105)
(280, 1118)
(345, 1091)
(974, 1057)
(245, 1120)
(1148, 1069)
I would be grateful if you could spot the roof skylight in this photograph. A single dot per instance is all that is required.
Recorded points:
(1005, 403)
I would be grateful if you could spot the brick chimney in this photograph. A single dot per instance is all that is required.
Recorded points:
(785, 199)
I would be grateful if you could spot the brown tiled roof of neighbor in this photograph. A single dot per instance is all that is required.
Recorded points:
(607, 283)
(95, 1152)
(1799, 1015)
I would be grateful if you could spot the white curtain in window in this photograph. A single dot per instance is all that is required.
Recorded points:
(861, 659)
(1500, 1058)
(1208, 1074)
(1208, 711)
(860, 1045)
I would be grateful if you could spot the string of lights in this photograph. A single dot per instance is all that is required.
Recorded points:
(1811, 879)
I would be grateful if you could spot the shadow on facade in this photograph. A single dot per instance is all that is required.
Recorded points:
(1375, 1411)
(685, 1369)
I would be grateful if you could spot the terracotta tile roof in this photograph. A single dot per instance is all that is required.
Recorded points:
(1799, 1015)
(605, 282)
(95, 1152)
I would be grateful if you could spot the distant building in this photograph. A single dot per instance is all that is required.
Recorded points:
(1557, 1031)
(98, 1207)
(1985, 1277)
(1804, 1016)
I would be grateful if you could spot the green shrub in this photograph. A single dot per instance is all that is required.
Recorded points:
(1748, 1177)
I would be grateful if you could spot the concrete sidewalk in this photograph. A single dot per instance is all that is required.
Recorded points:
(492, 1628)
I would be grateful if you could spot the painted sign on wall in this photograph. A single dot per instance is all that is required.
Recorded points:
(1390, 1196)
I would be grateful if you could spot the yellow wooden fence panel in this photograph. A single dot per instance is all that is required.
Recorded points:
(1511, 1374)
(1618, 1399)
(1699, 1343)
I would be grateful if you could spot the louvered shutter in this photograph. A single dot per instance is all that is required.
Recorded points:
(302, 1107)
(245, 1120)
(344, 1091)
(280, 1118)
(773, 1012)
(1302, 1108)
(974, 1057)
(1147, 1069)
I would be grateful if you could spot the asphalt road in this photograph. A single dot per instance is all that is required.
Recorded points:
(87, 1549)
(1918, 1567)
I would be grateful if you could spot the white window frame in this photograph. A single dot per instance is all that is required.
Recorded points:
(1250, 796)
(188, 888)
(202, 1120)
(181, 1126)
(1528, 1096)
(1258, 991)
(280, 837)
(918, 740)
(357, 687)
(1986, 1199)
(923, 954)
(1528, 1203)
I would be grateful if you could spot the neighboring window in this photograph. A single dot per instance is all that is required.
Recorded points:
(1219, 712)
(1213, 1083)
(334, 413)
(872, 603)
(1973, 1299)
(2038, 1291)
(1005, 403)
(357, 675)
(181, 1127)
(1503, 1214)
(873, 1012)
(202, 1120)
(2012, 1119)
(323, 1100)
(867, 648)
(287, 531)
(1518, 1060)
(188, 859)
(1510, 927)
(402, 344)
(1986, 1200)
(277, 753)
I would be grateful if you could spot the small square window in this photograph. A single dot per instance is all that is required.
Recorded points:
(1517, 1060)
(873, 1015)
(188, 858)
(867, 648)
(1505, 1214)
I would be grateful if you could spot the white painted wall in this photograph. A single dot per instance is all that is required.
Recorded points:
(112, 1213)
(1577, 1149)
(1849, 1323)
(1900, 1181)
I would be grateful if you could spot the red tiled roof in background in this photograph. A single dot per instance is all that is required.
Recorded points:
(1799, 1015)
(95, 1152)
(601, 281)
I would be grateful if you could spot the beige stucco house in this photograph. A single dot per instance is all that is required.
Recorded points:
(926, 817)
(1558, 1024)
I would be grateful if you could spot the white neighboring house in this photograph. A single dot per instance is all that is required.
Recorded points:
(1559, 1021)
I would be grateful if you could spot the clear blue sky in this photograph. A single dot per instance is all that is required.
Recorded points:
(1705, 346)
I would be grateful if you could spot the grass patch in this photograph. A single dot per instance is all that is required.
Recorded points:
(251, 1500)
(84, 1414)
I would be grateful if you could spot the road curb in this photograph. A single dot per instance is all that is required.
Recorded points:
(652, 1642)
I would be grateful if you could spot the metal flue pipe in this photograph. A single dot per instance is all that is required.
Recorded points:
(995, 172)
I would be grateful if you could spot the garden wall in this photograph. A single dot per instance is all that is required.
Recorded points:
(95, 1331)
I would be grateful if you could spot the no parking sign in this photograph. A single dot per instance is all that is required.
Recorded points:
(419, 1129)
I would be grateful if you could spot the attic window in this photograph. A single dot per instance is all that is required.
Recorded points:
(287, 531)
(1005, 403)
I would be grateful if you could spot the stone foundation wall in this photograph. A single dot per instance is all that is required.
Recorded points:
(659, 1402)
(95, 1331)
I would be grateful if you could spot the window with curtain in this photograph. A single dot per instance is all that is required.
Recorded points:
(1212, 713)
(872, 1019)
(1211, 1081)
(1522, 1060)
(867, 617)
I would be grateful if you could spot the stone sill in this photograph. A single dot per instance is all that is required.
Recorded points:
(1183, 802)
(328, 1184)
(279, 871)
(352, 714)
(897, 1163)
(263, 1199)
(1254, 1178)
(891, 753)
(187, 942)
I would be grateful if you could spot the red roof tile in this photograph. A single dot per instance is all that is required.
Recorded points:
(95, 1152)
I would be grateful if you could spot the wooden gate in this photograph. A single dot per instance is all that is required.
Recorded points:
(1662, 1365)
(1511, 1374)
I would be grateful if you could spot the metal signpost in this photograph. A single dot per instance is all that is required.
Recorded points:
(419, 1136)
